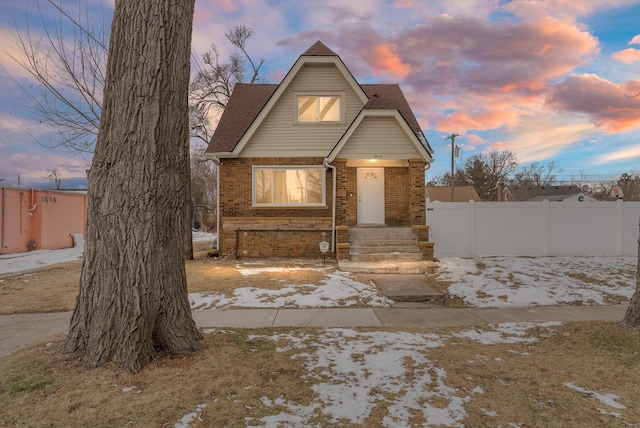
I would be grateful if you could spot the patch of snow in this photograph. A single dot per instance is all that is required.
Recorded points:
(606, 399)
(199, 236)
(353, 372)
(508, 332)
(190, 417)
(507, 282)
(336, 289)
(17, 262)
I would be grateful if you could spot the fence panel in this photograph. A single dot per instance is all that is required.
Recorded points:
(483, 229)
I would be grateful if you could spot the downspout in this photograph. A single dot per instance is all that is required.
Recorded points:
(4, 217)
(217, 162)
(333, 204)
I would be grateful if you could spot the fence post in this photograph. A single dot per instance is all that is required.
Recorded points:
(471, 212)
(547, 227)
(620, 226)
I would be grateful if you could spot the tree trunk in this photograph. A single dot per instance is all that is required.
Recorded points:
(133, 302)
(632, 316)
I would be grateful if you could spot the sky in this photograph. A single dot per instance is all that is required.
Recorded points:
(549, 80)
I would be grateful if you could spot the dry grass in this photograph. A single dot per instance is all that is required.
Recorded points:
(521, 383)
(54, 288)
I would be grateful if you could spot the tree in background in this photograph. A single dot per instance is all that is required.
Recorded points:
(485, 170)
(54, 176)
(537, 174)
(629, 182)
(133, 302)
(213, 84)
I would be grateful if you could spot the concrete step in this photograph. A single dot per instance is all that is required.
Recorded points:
(386, 257)
(373, 242)
(386, 249)
(404, 287)
(388, 267)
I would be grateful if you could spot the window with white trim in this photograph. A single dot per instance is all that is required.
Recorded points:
(288, 186)
(319, 108)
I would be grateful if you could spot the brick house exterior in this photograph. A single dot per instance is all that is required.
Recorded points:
(316, 154)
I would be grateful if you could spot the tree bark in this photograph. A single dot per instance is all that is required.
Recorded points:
(133, 302)
(632, 316)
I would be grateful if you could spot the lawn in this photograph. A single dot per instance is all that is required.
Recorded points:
(510, 374)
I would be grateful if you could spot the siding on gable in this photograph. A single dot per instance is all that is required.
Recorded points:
(279, 136)
(381, 136)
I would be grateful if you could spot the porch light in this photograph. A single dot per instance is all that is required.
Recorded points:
(324, 247)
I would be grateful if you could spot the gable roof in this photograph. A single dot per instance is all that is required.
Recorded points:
(319, 49)
(460, 193)
(247, 100)
(249, 104)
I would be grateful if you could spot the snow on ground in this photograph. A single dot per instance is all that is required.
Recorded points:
(351, 374)
(16, 262)
(497, 282)
(502, 282)
(336, 289)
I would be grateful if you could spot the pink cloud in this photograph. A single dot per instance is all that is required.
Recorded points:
(609, 105)
(384, 59)
(628, 56)
(635, 40)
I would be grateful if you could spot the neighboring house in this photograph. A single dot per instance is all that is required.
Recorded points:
(568, 193)
(315, 154)
(443, 194)
(40, 219)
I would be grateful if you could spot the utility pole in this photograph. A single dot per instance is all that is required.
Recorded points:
(455, 151)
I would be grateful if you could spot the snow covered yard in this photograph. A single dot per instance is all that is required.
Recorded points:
(507, 282)
(409, 378)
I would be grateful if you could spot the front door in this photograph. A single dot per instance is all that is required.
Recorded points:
(371, 196)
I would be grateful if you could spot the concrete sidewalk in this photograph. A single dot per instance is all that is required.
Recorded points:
(19, 331)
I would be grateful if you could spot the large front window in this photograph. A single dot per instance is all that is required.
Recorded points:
(285, 186)
(319, 108)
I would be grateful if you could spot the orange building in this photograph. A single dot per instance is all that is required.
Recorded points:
(47, 218)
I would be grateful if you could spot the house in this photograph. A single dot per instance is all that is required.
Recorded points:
(316, 154)
(40, 219)
(552, 193)
(460, 194)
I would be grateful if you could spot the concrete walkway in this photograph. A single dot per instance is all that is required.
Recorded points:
(19, 331)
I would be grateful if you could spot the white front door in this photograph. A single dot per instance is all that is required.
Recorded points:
(370, 195)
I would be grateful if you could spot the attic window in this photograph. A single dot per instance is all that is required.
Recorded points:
(314, 108)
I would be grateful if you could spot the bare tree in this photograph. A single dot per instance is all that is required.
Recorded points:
(212, 85)
(70, 74)
(54, 176)
(486, 170)
(537, 174)
(133, 301)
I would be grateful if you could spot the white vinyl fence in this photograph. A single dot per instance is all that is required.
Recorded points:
(483, 229)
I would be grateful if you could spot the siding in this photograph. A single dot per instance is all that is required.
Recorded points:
(381, 136)
(279, 136)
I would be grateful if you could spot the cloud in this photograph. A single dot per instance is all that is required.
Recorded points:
(628, 56)
(604, 102)
(384, 59)
(620, 155)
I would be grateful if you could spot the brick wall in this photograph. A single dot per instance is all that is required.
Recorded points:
(397, 193)
(296, 232)
(269, 232)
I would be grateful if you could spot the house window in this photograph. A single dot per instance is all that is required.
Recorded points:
(288, 186)
(325, 108)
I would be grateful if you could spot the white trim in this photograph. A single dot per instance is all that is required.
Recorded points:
(341, 95)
